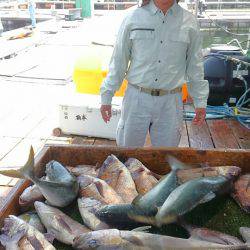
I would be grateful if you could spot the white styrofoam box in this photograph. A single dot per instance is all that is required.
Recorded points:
(81, 116)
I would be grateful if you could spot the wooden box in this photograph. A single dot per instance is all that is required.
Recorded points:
(153, 158)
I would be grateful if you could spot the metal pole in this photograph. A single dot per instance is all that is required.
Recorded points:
(196, 8)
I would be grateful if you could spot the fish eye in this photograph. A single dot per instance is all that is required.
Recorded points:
(93, 243)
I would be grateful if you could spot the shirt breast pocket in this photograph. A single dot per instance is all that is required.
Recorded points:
(177, 46)
(142, 43)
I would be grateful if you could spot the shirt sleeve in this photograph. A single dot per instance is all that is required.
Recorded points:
(118, 64)
(197, 86)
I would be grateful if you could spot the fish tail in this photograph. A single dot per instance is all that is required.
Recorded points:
(11, 241)
(175, 164)
(27, 169)
(5, 239)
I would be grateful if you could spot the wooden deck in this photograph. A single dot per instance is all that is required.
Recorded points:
(33, 82)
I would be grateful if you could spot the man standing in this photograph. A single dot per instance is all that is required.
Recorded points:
(158, 48)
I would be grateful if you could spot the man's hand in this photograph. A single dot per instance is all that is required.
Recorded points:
(106, 112)
(200, 115)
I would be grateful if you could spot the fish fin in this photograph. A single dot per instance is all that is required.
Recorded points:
(208, 197)
(15, 173)
(134, 240)
(245, 233)
(27, 169)
(49, 237)
(6, 240)
(176, 164)
(142, 229)
(136, 199)
(142, 218)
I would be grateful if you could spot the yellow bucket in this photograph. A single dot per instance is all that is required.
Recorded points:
(91, 69)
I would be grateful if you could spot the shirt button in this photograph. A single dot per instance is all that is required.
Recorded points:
(156, 80)
(159, 61)
(163, 21)
(161, 41)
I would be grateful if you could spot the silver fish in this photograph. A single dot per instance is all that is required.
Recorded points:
(115, 239)
(147, 205)
(60, 187)
(33, 219)
(19, 235)
(211, 235)
(61, 226)
(29, 196)
(88, 208)
(189, 195)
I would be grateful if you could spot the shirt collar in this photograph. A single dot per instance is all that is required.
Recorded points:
(153, 9)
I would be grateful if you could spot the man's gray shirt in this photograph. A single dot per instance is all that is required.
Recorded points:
(158, 51)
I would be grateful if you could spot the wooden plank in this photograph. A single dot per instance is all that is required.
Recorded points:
(80, 140)
(100, 141)
(155, 158)
(58, 142)
(13, 182)
(7, 144)
(241, 134)
(23, 127)
(44, 129)
(151, 157)
(184, 142)
(19, 155)
(4, 191)
(5, 180)
(199, 136)
(222, 134)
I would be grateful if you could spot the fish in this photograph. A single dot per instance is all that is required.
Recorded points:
(245, 233)
(59, 187)
(98, 189)
(29, 196)
(119, 178)
(84, 170)
(211, 235)
(33, 219)
(122, 239)
(58, 224)
(88, 208)
(189, 195)
(184, 175)
(55, 171)
(19, 235)
(147, 205)
(241, 193)
(144, 179)
(117, 215)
